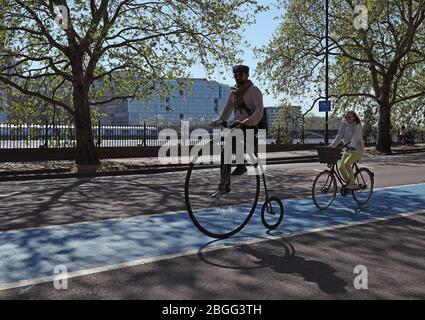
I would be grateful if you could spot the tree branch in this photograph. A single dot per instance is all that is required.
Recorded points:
(35, 94)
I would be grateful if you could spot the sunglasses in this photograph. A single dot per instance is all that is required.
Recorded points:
(238, 75)
(350, 116)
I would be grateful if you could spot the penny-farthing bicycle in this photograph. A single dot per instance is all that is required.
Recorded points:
(220, 204)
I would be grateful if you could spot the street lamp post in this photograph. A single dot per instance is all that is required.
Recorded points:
(327, 71)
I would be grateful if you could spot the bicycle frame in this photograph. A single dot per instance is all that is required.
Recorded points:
(254, 156)
(262, 172)
(338, 175)
(272, 211)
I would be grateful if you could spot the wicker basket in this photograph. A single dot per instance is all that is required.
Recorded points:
(328, 154)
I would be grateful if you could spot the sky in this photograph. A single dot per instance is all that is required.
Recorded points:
(258, 35)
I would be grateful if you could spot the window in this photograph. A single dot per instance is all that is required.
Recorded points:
(216, 105)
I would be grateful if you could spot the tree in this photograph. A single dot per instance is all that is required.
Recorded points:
(130, 46)
(381, 62)
(282, 124)
(369, 123)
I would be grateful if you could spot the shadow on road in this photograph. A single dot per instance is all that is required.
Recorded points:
(279, 256)
(55, 202)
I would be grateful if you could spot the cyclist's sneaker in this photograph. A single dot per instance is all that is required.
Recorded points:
(221, 190)
(239, 170)
(352, 186)
(216, 194)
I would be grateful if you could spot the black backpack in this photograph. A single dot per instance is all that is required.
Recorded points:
(263, 122)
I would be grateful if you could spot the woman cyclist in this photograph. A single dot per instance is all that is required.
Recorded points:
(350, 132)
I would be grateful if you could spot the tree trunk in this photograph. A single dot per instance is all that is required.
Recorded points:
(86, 151)
(383, 143)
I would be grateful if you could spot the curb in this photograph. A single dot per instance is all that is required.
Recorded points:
(149, 170)
(43, 174)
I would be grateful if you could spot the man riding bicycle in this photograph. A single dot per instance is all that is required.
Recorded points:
(246, 101)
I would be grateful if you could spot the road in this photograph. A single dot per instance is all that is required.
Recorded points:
(127, 247)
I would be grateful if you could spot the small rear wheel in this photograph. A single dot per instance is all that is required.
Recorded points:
(272, 213)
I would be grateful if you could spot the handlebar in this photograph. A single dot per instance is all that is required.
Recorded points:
(346, 147)
(227, 125)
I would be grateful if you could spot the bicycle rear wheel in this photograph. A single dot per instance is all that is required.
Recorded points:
(223, 216)
(272, 213)
(324, 189)
(365, 180)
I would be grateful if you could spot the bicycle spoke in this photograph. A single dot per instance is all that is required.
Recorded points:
(227, 213)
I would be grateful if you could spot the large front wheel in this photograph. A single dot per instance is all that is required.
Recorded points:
(226, 214)
(324, 189)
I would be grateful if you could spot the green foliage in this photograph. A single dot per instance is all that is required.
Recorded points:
(283, 123)
(383, 65)
(125, 47)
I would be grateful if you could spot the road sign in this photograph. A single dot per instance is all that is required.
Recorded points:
(324, 106)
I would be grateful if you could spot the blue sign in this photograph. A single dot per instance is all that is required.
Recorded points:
(324, 106)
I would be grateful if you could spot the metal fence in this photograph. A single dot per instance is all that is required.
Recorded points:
(63, 136)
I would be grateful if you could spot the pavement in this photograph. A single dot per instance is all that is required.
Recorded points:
(30, 257)
(316, 265)
(130, 237)
(63, 169)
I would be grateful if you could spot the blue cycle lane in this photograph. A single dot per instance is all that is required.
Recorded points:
(34, 253)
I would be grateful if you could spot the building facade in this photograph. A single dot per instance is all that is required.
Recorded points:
(114, 112)
(271, 115)
(201, 101)
(4, 96)
(3, 102)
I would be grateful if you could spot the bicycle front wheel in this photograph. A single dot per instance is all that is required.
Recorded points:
(365, 180)
(225, 215)
(324, 189)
